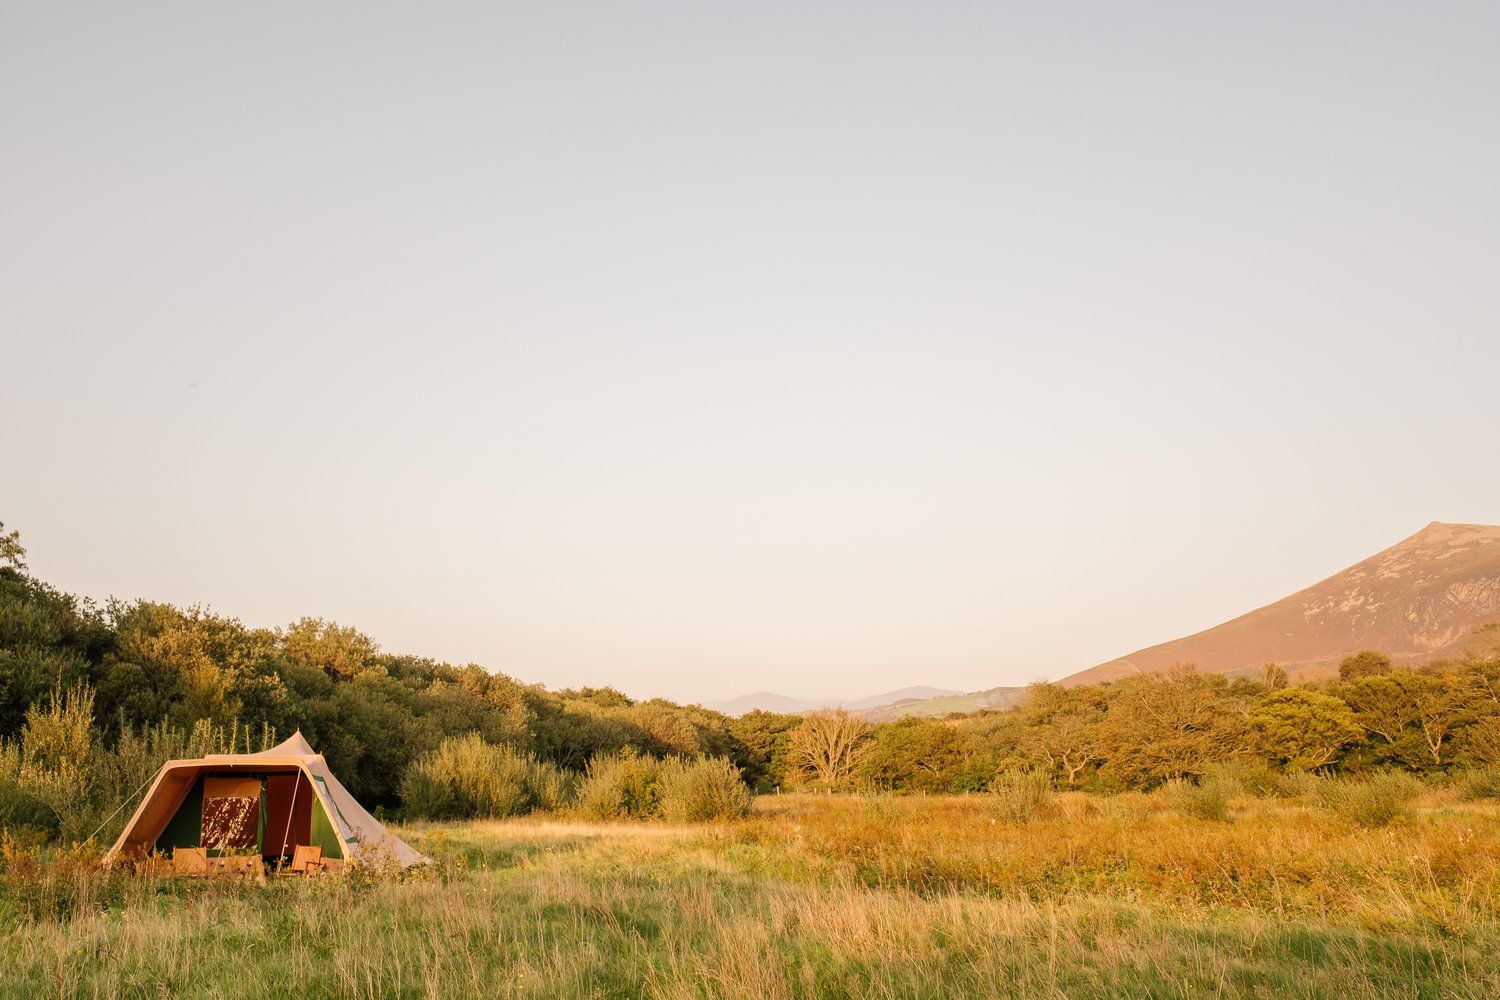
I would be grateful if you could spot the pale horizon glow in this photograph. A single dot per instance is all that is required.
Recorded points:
(701, 351)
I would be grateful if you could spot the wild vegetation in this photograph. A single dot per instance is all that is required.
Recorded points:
(817, 896)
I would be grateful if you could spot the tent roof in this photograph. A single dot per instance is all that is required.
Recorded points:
(294, 746)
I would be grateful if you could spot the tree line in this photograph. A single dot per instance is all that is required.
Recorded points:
(93, 697)
(1144, 731)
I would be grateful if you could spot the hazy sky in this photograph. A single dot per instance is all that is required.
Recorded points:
(706, 348)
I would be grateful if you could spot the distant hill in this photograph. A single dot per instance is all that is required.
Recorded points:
(993, 698)
(1418, 600)
(768, 701)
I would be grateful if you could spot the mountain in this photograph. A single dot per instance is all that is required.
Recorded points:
(1418, 600)
(767, 701)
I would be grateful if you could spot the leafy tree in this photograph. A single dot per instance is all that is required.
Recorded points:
(1302, 729)
(1443, 703)
(1365, 663)
(342, 651)
(914, 754)
(1162, 727)
(1385, 707)
(47, 639)
(177, 665)
(12, 555)
(764, 738)
(1063, 727)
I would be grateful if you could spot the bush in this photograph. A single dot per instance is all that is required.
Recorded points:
(551, 787)
(1298, 785)
(1021, 796)
(1207, 798)
(618, 785)
(1251, 777)
(691, 791)
(676, 789)
(465, 777)
(1480, 783)
(1376, 801)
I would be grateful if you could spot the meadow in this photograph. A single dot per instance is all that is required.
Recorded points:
(1147, 895)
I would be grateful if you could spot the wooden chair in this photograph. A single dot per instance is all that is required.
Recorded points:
(190, 861)
(307, 859)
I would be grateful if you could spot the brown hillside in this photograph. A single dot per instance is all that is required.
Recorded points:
(1417, 600)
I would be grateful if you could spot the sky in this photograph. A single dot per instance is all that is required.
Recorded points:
(700, 349)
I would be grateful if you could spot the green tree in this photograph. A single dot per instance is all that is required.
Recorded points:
(1386, 708)
(342, 651)
(1063, 727)
(764, 737)
(1162, 727)
(12, 554)
(1365, 663)
(1303, 730)
(914, 754)
(178, 665)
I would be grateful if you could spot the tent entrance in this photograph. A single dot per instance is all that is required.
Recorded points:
(289, 809)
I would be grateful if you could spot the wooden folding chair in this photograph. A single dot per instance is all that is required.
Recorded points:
(307, 859)
(190, 861)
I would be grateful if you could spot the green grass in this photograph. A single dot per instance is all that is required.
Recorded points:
(816, 897)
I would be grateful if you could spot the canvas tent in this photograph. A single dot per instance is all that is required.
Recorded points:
(266, 803)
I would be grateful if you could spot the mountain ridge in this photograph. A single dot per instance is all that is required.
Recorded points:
(1417, 599)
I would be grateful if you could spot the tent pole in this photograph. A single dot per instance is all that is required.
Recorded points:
(280, 858)
(123, 803)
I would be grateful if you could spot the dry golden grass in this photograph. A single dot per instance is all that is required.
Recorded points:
(822, 897)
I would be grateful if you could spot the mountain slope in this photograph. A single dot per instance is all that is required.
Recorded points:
(1416, 600)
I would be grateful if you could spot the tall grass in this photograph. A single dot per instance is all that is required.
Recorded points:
(813, 896)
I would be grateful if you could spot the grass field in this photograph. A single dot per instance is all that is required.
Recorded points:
(815, 897)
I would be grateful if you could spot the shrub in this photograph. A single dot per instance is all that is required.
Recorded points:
(1251, 777)
(1298, 785)
(551, 787)
(1480, 783)
(1376, 801)
(616, 785)
(1021, 796)
(466, 777)
(1207, 798)
(676, 789)
(690, 791)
